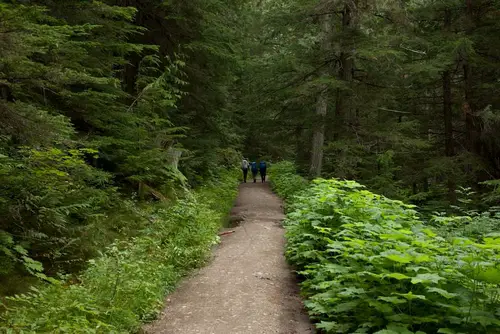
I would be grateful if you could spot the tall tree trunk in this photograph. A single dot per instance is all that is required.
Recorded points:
(472, 123)
(426, 185)
(448, 130)
(321, 105)
(301, 156)
(343, 111)
(319, 134)
(448, 117)
(447, 113)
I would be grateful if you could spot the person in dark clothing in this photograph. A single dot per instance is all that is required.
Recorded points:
(255, 171)
(263, 171)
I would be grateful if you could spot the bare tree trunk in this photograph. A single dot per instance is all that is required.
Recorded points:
(426, 185)
(447, 112)
(472, 123)
(448, 131)
(448, 118)
(319, 135)
(343, 112)
(321, 105)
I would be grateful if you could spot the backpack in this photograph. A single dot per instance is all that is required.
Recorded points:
(262, 165)
(253, 166)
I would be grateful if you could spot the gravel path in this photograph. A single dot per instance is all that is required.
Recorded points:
(247, 288)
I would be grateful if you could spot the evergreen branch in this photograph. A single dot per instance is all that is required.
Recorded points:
(395, 111)
(412, 50)
(304, 77)
(384, 17)
(326, 13)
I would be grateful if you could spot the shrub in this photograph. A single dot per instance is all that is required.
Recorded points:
(126, 285)
(285, 181)
(371, 266)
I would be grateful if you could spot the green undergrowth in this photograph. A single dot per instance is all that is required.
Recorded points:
(285, 181)
(370, 265)
(126, 285)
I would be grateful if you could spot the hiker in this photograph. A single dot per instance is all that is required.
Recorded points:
(244, 168)
(255, 171)
(263, 170)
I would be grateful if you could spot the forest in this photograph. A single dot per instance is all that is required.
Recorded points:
(123, 123)
(399, 95)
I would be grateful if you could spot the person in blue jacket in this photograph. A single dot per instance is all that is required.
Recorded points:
(255, 171)
(263, 171)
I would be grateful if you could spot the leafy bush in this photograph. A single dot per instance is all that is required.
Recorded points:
(126, 285)
(371, 266)
(284, 179)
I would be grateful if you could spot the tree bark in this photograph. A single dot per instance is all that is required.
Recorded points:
(447, 113)
(343, 113)
(321, 105)
(448, 117)
(472, 123)
(319, 135)
(426, 185)
(448, 131)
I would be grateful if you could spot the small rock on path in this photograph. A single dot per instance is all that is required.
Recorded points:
(248, 288)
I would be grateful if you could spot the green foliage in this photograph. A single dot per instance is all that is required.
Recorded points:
(49, 199)
(381, 72)
(100, 111)
(105, 107)
(370, 265)
(492, 197)
(126, 285)
(467, 220)
(285, 181)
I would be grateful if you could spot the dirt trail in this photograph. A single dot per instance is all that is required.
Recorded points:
(247, 288)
